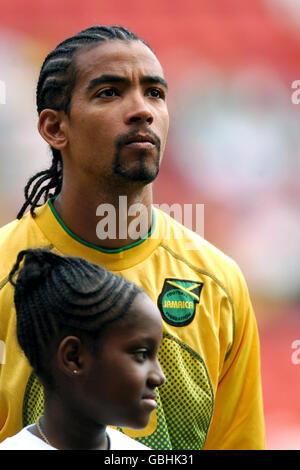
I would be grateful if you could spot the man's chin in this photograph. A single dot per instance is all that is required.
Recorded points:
(143, 168)
(143, 178)
(145, 174)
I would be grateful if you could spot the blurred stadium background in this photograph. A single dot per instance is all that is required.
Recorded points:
(234, 143)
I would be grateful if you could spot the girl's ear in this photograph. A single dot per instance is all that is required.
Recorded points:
(70, 356)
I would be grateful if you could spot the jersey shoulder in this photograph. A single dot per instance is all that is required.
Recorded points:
(194, 250)
(16, 236)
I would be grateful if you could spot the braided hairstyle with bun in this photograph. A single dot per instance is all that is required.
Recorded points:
(58, 296)
(54, 91)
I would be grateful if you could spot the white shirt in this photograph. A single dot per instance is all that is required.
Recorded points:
(25, 440)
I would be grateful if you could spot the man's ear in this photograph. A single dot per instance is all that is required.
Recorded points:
(52, 127)
(70, 356)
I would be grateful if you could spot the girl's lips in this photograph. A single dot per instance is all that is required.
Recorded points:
(150, 402)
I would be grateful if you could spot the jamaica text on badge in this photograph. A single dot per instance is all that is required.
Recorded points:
(177, 301)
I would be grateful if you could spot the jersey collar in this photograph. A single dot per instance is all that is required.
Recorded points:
(70, 244)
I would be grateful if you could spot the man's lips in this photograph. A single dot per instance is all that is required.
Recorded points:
(140, 138)
(140, 141)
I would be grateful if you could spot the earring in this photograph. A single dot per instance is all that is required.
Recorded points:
(75, 371)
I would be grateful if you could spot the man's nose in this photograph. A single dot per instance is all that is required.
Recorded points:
(138, 110)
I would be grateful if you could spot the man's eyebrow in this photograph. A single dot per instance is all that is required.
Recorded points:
(154, 79)
(107, 78)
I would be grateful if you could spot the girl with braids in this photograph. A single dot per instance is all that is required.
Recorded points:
(92, 338)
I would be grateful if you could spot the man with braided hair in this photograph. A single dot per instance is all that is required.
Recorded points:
(101, 99)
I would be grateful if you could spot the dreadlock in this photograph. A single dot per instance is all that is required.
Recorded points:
(54, 91)
(57, 296)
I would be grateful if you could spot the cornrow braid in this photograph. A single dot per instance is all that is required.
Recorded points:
(57, 296)
(54, 91)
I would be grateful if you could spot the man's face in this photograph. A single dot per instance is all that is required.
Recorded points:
(118, 120)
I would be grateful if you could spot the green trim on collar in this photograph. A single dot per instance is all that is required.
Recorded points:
(95, 247)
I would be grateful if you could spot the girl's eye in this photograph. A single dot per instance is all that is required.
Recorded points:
(141, 355)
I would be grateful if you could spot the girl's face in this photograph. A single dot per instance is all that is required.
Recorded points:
(120, 384)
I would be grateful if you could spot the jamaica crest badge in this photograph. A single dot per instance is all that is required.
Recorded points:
(177, 301)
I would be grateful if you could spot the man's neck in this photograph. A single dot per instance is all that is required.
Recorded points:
(106, 220)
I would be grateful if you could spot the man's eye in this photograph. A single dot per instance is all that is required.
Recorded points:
(107, 93)
(156, 93)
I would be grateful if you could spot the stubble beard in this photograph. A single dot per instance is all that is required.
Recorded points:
(141, 171)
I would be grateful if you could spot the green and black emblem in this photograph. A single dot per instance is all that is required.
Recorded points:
(177, 301)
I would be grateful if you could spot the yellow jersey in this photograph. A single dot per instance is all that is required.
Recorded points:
(212, 397)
